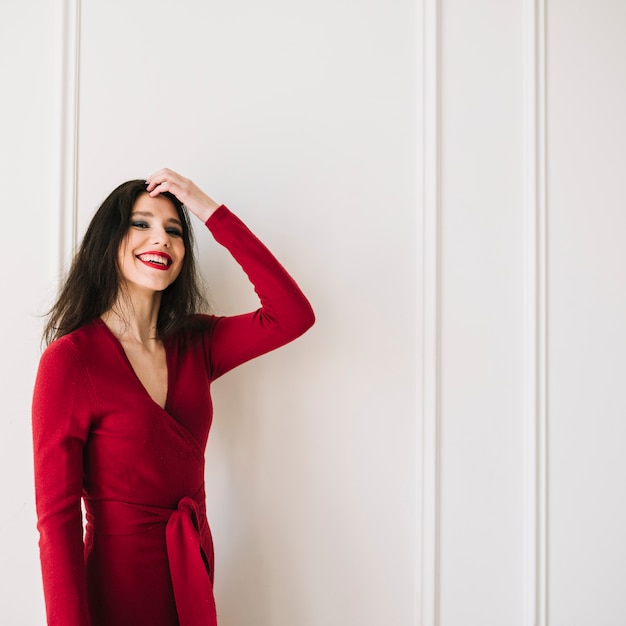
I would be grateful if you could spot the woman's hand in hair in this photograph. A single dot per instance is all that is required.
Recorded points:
(198, 203)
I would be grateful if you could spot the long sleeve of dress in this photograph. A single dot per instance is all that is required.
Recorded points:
(62, 405)
(285, 312)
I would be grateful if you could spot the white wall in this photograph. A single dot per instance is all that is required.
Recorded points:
(302, 117)
(524, 177)
(30, 64)
(481, 312)
(586, 324)
(443, 448)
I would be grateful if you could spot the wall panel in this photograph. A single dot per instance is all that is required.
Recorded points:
(303, 119)
(31, 45)
(587, 308)
(482, 270)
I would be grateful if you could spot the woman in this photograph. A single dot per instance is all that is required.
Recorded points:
(122, 406)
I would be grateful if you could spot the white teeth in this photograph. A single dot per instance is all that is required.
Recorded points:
(154, 258)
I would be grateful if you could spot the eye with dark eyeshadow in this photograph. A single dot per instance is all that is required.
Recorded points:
(139, 224)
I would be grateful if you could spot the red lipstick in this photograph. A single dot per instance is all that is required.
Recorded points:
(156, 259)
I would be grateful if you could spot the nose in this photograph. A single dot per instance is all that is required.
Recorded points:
(161, 237)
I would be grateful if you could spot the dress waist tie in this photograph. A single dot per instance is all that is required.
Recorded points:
(188, 562)
(193, 590)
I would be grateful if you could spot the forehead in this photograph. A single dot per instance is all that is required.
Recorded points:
(160, 207)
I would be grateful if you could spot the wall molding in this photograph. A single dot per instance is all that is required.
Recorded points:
(429, 594)
(535, 318)
(68, 139)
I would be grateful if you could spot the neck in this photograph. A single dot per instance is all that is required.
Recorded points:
(134, 317)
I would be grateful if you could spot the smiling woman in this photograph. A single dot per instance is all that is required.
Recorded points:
(95, 283)
(154, 240)
(122, 406)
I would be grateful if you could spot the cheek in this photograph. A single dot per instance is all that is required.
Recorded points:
(180, 255)
(121, 255)
(178, 269)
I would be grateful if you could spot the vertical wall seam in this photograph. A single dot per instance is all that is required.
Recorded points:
(530, 316)
(68, 162)
(535, 318)
(431, 452)
(542, 207)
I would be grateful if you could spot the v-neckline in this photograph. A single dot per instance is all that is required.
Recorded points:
(120, 348)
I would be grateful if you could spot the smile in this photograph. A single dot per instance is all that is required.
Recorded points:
(156, 260)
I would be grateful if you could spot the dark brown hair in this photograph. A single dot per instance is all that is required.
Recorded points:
(93, 282)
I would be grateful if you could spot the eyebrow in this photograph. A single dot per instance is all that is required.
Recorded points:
(172, 220)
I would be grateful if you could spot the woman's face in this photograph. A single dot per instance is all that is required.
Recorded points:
(152, 252)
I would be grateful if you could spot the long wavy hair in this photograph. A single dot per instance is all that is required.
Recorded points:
(94, 280)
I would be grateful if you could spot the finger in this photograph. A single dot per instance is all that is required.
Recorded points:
(159, 177)
(160, 187)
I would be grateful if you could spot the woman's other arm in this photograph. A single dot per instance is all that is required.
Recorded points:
(60, 415)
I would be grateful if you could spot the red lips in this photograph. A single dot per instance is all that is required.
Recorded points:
(156, 259)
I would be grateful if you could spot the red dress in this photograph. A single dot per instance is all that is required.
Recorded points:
(147, 554)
